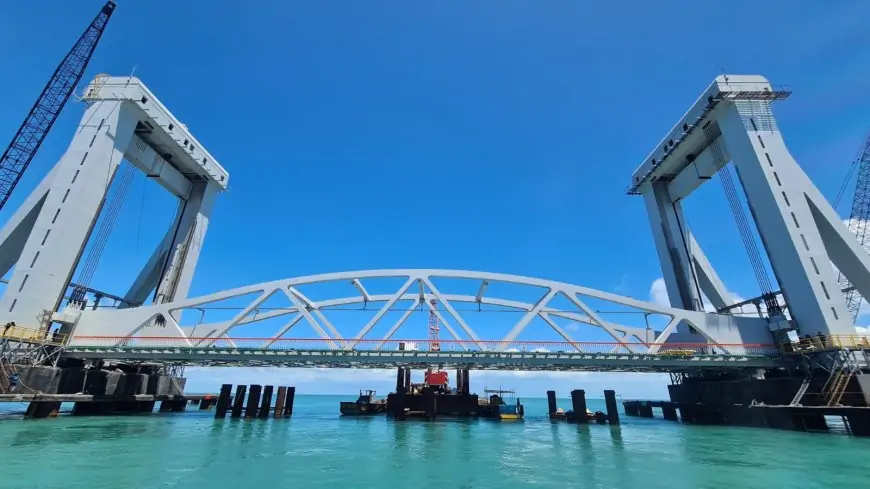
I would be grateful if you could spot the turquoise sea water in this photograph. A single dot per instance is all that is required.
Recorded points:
(318, 449)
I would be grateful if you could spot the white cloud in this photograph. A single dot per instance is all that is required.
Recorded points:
(658, 294)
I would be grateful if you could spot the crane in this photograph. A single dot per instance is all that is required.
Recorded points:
(47, 108)
(858, 221)
(434, 328)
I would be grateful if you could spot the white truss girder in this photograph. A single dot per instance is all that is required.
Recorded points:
(717, 330)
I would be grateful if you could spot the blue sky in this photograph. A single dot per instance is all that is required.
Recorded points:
(493, 136)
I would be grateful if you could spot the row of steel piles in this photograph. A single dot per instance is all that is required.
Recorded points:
(578, 405)
(255, 407)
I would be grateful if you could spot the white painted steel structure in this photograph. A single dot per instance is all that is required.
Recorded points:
(802, 234)
(723, 333)
(125, 120)
(561, 356)
(47, 235)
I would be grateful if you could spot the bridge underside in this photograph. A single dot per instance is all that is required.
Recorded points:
(599, 362)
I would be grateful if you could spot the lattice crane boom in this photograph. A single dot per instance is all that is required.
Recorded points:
(434, 328)
(48, 106)
(858, 223)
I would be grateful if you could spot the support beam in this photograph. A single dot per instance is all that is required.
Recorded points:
(187, 243)
(775, 188)
(709, 281)
(15, 232)
(672, 238)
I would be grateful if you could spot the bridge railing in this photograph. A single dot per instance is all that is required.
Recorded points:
(31, 335)
(427, 346)
(823, 343)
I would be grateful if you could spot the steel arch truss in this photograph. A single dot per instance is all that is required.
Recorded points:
(723, 333)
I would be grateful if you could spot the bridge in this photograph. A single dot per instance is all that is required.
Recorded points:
(730, 122)
(627, 347)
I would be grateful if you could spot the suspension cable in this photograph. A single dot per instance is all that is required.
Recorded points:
(116, 202)
(747, 237)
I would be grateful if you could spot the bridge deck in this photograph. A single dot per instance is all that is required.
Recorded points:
(345, 353)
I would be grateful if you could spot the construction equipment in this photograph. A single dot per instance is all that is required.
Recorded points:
(48, 106)
(857, 220)
(434, 328)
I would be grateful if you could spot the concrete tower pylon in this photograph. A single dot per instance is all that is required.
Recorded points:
(45, 238)
(732, 122)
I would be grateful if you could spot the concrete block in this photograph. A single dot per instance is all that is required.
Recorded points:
(134, 384)
(72, 381)
(95, 382)
(860, 386)
(38, 410)
(114, 383)
(164, 385)
(38, 379)
(176, 386)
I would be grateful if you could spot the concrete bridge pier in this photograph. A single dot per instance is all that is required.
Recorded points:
(645, 411)
(39, 410)
(173, 405)
(669, 411)
(859, 424)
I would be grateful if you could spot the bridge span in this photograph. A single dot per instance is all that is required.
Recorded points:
(484, 355)
(731, 122)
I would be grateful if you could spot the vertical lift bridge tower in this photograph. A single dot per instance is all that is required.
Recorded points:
(801, 233)
(47, 235)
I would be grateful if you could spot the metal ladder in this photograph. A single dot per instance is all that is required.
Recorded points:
(4, 376)
(801, 391)
(838, 388)
(842, 371)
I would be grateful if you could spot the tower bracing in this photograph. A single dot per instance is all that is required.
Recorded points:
(45, 238)
(732, 123)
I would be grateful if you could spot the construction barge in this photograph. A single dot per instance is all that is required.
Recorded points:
(434, 398)
(365, 405)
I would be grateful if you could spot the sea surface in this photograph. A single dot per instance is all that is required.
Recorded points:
(318, 449)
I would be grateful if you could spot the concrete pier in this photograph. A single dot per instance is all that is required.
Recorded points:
(39, 410)
(765, 402)
(645, 411)
(429, 402)
(669, 411)
(398, 407)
